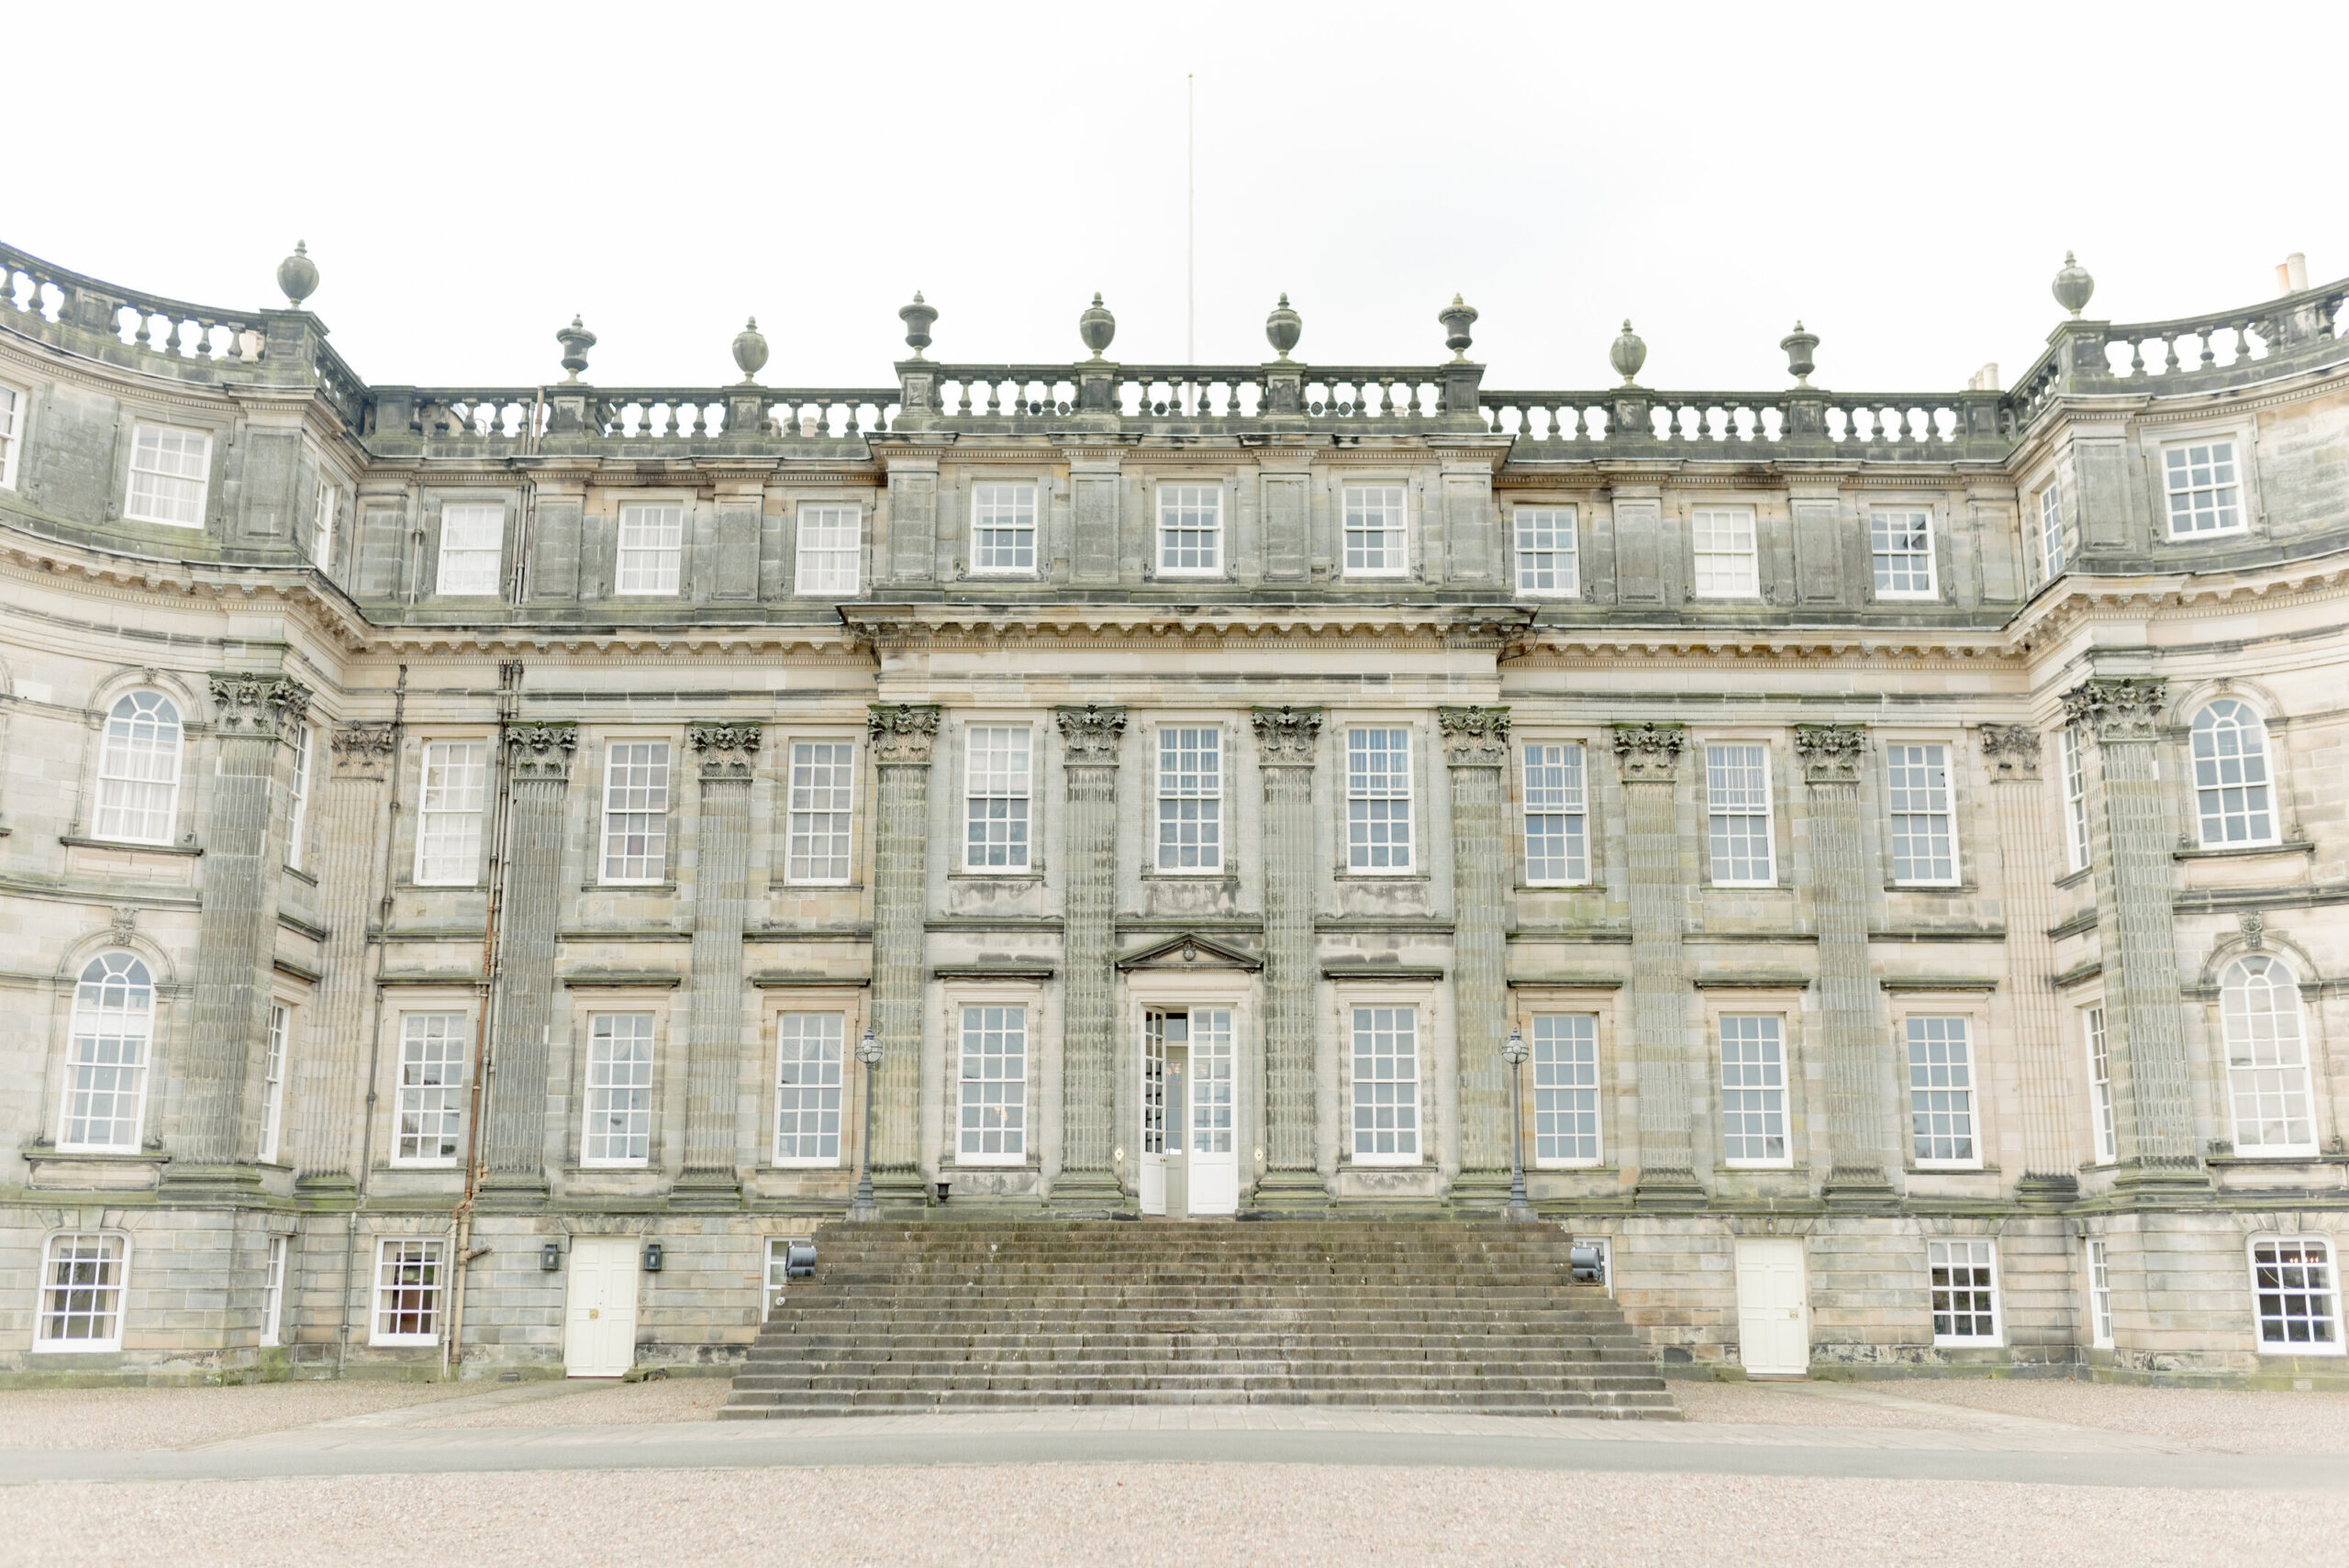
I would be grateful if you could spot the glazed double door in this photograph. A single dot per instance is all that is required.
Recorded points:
(1189, 1137)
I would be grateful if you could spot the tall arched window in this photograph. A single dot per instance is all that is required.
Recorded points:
(105, 1075)
(2231, 776)
(138, 769)
(2268, 1060)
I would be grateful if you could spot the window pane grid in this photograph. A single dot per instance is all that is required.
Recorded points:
(326, 500)
(1375, 528)
(1722, 549)
(1211, 1081)
(1902, 543)
(138, 769)
(831, 549)
(407, 1290)
(636, 811)
(1190, 528)
(2051, 532)
(1003, 527)
(431, 1087)
(1753, 1091)
(1546, 561)
(651, 550)
(2267, 1075)
(619, 1090)
(2076, 800)
(1379, 799)
(298, 811)
(1190, 798)
(2230, 783)
(1941, 1091)
(12, 414)
(2100, 1087)
(273, 1083)
(1737, 794)
(2203, 493)
(169, 471)
(1565, 1089)
(995, 798)
(2293, 1286)
(1386, 1085)
(2099, 1297)
(1556, 814)
(473, 546)
(995, 1084)
(114, 1025)
(80, 1294)
(1923, 838)
(823, 786)
(807, 1089)
(273, 1292)
(1964, 1283)
(447, 830)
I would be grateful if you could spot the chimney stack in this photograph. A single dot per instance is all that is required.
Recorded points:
(2292, 273)
(1986, 378)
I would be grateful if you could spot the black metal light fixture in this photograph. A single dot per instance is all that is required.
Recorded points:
(550, 1256)
(1519, 1207)
(868, 1051)
(653, 1257)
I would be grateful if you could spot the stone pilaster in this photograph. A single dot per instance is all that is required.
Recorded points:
(1851, 1028)
(1475, 752)
(244, 846)
(1649, 757)
(2019, 804)
(537, 766)
(728, 758)
(1090, 737)
(2152, 1108)
(903, 737)
(1288, 744)
(329, 1112)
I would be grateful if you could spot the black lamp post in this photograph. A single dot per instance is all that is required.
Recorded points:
(1520, 1207)
(868, 1051)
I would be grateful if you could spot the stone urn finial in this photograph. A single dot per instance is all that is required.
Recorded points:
(1457, 317)
(1798, 345)
(2073, 287)
(576, 340)
(1628, 353)
(918, 318)
(297, 276)
(750, 351)
(1282, 328)
(1097, 327)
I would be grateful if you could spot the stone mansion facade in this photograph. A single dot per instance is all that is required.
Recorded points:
(1906, 835)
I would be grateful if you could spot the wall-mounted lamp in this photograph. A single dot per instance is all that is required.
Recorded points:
(550, 1256)
(653, 1257)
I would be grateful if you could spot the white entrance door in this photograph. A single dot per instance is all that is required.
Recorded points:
(1215, 1167)
(1772, 1308)
(1187, 1076)
(599, 1318)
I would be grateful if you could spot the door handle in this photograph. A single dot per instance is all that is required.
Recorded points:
(592, 1313)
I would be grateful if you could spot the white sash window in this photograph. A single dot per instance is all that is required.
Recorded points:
(2232, 797)
(81, 1291)
(12, 425)
(106, 1075)
(138, 769)
(636, 811)
(1565, 1089)
(1546, 562)
(273, 1292)
(1754, 1090)
(1901, 543)
(1924, 836)
(2051, 532)
(807, 1089)
(997, 759)
(831, 549)
(2297, 1296)
(994, 1086)
(1003, 529)
(272, 1082)
(1737, 799)
(448, 818)
(1722, 540)
(823, 790)
(619, 1130)
(408, 1291)
(1190, 798)
(170, 470)
(1964, 1281)
(473, 546)
(1376, 531)
(2268, 1062)
(432, 1104)
(1379, 800)
(2099, 1088)
(651, 550)
(1190, 530)
(2076, 799)
(1941, 1092)
(1387, 1085)
(2205, 495)
(1556, 814)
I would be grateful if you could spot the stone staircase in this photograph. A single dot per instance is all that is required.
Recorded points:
(1382, 1315)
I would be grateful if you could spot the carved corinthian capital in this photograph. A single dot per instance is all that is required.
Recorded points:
(1474, 737)
(2011, 750)
(2124, 707)
(363, 749)
(262, 705)
(1650, 753)
(541, 748)
(1831, 752)
(726, 750)
(902, 732)
(1286, 737)
(1091, 734)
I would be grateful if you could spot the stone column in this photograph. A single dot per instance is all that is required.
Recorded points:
(1090, 737)
(2025, 857)
(1650, 756)
(1287, 740)
(537, 766)
(328, 1113)
(1851, 1038)
(244, 847)
(903, 737)
(2152, 1108)
(727, 755)
(1475, 751)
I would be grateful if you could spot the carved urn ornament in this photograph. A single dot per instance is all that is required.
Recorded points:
(1798, 345)
(1097, 327)
(750, 351)
(1282, 328)
(2073, 286)
(576, 340)
(1628, 353)
(297, 276)
(918, 318)
(1457, 317)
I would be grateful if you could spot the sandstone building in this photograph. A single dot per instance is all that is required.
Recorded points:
(454, 839)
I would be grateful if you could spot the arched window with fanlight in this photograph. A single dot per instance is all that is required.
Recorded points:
(2267, 1059)
(106, 1071)
(138, 769)
(2232, 783)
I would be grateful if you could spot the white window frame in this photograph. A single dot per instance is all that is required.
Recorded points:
(648, 555)
(465, 567)
(616, 1091)
(1969, 1253)
(2211, 467)
(1944, 1102)
(273, 1291)
(273, 1080)
(2282, 1080)
(991, 1085)
(425, 1298)
(1724, 553)
(1932, 817)
(985, 788)
(447, 834)
(1566, 1100)
(114, 1292)
(812, 1089)
(2103, 1134)
(1374, 515)
(1723, 808)
(820, 813)
(2287, 1291)
(1759, 1083)
(12, 431)
(297, 816)
(326, 507)
(1546, 552)
(828, 548)
(1190, 799)
(122, 791)
(429, 1085)
(1404, 1098)
(2075, 798)
(1889, 565)
(2099, 1269)
(86, 1043)
(2050, 531)
(1006, 529)
(635, 813)
(1366, 790)
(176, 483)
(2248, 775)
(1554, 786)
(1190, 522)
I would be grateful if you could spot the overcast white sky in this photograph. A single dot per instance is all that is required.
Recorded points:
(1904, 178)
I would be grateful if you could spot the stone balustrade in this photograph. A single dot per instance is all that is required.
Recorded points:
(84, 312)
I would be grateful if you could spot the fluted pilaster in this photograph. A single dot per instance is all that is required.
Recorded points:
(903, 735)
(1288, 744)
(1475, 751)
(328, 1110)
(1650, 758)
(537, 761)
(727, 756)
(1091, 737)
(1851, 1024)
(2019, 805)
